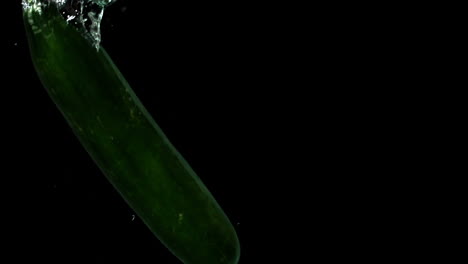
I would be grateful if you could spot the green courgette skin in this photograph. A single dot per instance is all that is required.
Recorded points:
(127, 144)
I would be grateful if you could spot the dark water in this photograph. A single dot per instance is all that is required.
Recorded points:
(184, 62)
(295, 163)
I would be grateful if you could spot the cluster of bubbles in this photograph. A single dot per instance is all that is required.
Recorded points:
(83, 14)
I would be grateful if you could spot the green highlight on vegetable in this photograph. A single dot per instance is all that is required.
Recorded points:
(125, 142)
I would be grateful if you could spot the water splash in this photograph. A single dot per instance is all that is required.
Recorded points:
(86, 15)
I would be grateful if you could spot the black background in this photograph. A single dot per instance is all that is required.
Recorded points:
(281, 130)
(207, 73)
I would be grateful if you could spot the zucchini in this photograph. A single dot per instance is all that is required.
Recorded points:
(126, 143)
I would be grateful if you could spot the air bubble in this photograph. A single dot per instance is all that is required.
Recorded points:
(86, 15)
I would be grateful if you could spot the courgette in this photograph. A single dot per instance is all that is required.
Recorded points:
(125, 142)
